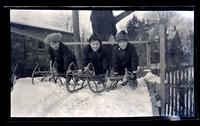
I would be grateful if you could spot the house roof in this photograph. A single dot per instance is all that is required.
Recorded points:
(40, 26)
(37, 32)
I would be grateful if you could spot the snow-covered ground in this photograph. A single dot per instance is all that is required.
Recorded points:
(152, 78)
(46, 99)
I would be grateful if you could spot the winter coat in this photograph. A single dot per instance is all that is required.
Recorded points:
(63, 56)
(103, 23)
(127, 58)
(99, 59)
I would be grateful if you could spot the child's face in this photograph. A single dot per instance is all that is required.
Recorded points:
(54, 45)
(95, 45)
(123, 44)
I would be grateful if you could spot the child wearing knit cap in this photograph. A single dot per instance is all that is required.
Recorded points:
(124, 55)
(59, 53)
(94, 53)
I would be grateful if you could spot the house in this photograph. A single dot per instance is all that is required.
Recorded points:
(28, 48)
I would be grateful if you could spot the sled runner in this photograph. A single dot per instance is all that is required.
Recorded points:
(74, 79)
(77, 79)
(128, 78)
(96, 83)
(53, 75)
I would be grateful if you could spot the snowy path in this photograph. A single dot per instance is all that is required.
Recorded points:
(45, 99)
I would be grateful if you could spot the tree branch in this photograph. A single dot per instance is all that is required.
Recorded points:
(122, 15)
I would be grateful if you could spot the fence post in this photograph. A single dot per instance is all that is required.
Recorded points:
(162, 66)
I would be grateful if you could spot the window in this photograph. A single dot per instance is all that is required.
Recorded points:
(41, 45)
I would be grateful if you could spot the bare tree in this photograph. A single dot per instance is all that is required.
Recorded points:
(84, 34)
(172, 19)
(63, 20)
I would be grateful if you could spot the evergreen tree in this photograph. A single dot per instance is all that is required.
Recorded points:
(133, 28)
(139, 31)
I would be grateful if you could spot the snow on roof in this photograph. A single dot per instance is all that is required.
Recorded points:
(45, 99)
(40, 26)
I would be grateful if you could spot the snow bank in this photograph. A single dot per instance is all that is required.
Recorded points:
(152, 78)
(46, 99)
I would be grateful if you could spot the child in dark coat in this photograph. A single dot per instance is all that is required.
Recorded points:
(94, 53)
(124, 55)
(59, 53)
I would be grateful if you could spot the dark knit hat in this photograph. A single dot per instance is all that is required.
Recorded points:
(53, 37)
(122, 35)
(95, 37)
